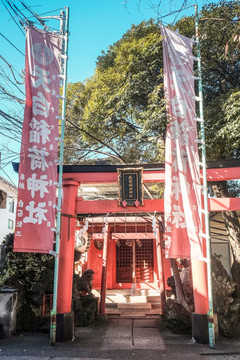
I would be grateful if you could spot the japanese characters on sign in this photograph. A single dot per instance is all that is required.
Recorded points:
(35, 218)
(130, 187)
(182, 200)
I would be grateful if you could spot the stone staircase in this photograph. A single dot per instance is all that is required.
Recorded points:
(122, 304)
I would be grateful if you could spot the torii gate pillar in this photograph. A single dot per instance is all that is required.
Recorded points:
(200, 292)
(65, 318)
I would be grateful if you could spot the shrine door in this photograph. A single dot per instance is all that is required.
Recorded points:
(140, 256)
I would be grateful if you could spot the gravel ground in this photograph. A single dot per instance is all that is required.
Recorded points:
(140, 339)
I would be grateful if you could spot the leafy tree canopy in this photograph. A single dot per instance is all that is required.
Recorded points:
(121, 109)
(221, 76)
(122, 104)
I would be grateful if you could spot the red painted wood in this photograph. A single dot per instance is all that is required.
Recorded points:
(217, 174)
(221, 174)
(66, 250)
(160, 269)
(200, 291)
(66, 254)
(94, 262)
(106, 177)
(112, 206)
(116, 236)
(120, 228)
(112, 177)
(167, 272)
(104, 270)
(150, 205)
(223, 204)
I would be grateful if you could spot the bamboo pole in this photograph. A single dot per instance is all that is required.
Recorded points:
(211, 331)
(64, 31)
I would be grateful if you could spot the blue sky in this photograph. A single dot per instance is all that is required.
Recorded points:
(94, 25)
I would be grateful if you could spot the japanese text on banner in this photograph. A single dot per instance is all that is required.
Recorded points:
(182, 199)
(39, 150)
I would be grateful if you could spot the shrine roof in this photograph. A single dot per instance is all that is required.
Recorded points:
(146, 167)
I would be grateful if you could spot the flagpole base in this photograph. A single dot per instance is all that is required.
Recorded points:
(65, 327)
(200, 328)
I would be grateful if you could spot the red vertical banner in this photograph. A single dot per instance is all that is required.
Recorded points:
(35, 217)
(182, 199)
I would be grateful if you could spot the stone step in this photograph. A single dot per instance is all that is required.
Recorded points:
(113, 316)
(132, 314)
(123, 292)
(137, 317)
(156, 306)
(134, 306)
(115, 306)
(111, 305)
(116, 299)
(137, 299)
(133, 299)
(153, 298)
(128, 292)
(113, 311)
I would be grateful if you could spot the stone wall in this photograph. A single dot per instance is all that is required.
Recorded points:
(8, 311)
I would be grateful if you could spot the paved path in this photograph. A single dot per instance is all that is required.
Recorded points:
(123, 339)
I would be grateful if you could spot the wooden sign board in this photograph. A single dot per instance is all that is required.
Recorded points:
(130, 187)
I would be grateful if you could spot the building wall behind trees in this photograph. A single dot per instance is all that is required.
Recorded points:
(8, 202)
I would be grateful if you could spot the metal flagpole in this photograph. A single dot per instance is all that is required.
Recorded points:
(64, 32)
(211, 331)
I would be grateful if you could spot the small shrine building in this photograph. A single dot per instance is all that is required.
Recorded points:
(125, 249)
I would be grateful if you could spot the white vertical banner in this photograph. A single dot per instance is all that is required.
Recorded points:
(39, 150)
(182, 199)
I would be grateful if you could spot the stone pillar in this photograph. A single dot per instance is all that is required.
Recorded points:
(65, 318)
(8, 312)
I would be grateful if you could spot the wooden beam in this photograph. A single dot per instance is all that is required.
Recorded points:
(112, 177)
(220, 174)
(112, 206)
(216, 174)
(223, 204)
(160, 265)
(104, 271)
(130, 236)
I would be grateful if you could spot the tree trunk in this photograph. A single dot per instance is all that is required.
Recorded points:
(178, 285)
(233, 228)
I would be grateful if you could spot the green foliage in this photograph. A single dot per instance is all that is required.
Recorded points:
(223, 119)
(220, 72)
(121, 108)
(21, 269)
(221, 76)
(31, 274)
(157, 189)
(124, 104)
(221, 79)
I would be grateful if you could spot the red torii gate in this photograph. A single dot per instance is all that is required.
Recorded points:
(72, 204)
